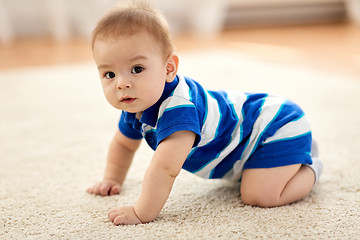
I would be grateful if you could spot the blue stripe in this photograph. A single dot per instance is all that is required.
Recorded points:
(278, 153)
(254, 113)
(243, 120)
(209, 160)
(202, 156)
(190, 96)
(289, 113)
(179, 106)
(187, 106)
(206, 109)
(242, 125)
(198, 96)
(267, 126)
(298, 118)
(213, 173)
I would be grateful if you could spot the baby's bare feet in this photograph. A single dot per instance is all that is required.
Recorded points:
(105, 188)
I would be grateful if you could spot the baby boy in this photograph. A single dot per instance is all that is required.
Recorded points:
(262, 140)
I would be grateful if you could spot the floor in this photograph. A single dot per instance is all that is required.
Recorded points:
(330, 47)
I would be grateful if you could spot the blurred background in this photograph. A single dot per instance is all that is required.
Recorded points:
(321, 33)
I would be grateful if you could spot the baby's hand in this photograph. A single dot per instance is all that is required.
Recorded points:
(105, 188)
(124, 216)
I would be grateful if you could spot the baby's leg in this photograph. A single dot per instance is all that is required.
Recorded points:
(271, 187)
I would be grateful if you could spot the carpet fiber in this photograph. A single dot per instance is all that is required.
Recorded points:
(55, 128)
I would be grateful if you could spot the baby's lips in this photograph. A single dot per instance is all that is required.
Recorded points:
(127, 100)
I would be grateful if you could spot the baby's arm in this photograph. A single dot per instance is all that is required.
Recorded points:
(119, 159)
(158, 181)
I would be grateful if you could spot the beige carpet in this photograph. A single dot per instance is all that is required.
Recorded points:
(55, 127)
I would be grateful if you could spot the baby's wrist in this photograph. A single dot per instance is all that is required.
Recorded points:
(143, 218)
(136, 214)
(113, 180)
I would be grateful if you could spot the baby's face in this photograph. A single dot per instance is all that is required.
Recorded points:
(132, 71)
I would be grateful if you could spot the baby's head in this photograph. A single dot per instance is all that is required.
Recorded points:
(131, 19)
(135, 56)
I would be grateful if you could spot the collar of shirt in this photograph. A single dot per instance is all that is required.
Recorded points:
(150, 115)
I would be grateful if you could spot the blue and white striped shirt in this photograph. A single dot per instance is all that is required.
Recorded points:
(235, 130)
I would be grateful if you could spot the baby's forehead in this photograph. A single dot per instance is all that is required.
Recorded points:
(127, 48)
(139, 39)
(115, 37)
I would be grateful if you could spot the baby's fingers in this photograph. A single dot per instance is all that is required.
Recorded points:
(115, 190)
(100, 189)
(113, 214)
(94, 189)
(104, 189)
(123, 216)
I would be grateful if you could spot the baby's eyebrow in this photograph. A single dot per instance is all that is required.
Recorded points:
(103, 66)
(132, 59)
(138, 57)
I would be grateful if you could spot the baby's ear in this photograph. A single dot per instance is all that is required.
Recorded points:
(172, 67)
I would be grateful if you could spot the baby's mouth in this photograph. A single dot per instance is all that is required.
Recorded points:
(127, 100)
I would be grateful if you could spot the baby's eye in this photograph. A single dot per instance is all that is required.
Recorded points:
(137, 70)
(109, 75)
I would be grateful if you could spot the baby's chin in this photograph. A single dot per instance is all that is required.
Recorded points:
(133, 106)
(130, 110)
(124, 108)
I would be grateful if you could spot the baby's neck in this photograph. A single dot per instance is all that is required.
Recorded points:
(138, 115)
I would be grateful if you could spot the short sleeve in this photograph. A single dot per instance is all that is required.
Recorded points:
(130, 126)
(179, 119)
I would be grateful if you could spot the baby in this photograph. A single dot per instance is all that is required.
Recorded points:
(262, 140)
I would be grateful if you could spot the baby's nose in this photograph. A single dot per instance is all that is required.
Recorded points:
(123, 83)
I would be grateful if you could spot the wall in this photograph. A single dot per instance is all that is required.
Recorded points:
(62, 19)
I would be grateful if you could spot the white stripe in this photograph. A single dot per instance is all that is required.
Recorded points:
(173, 101)
(212, 120)
(182, 89)
(146, 128)
(269, 110)
(239, 99)
(206, 171)
(290, 130)
(181, 97)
